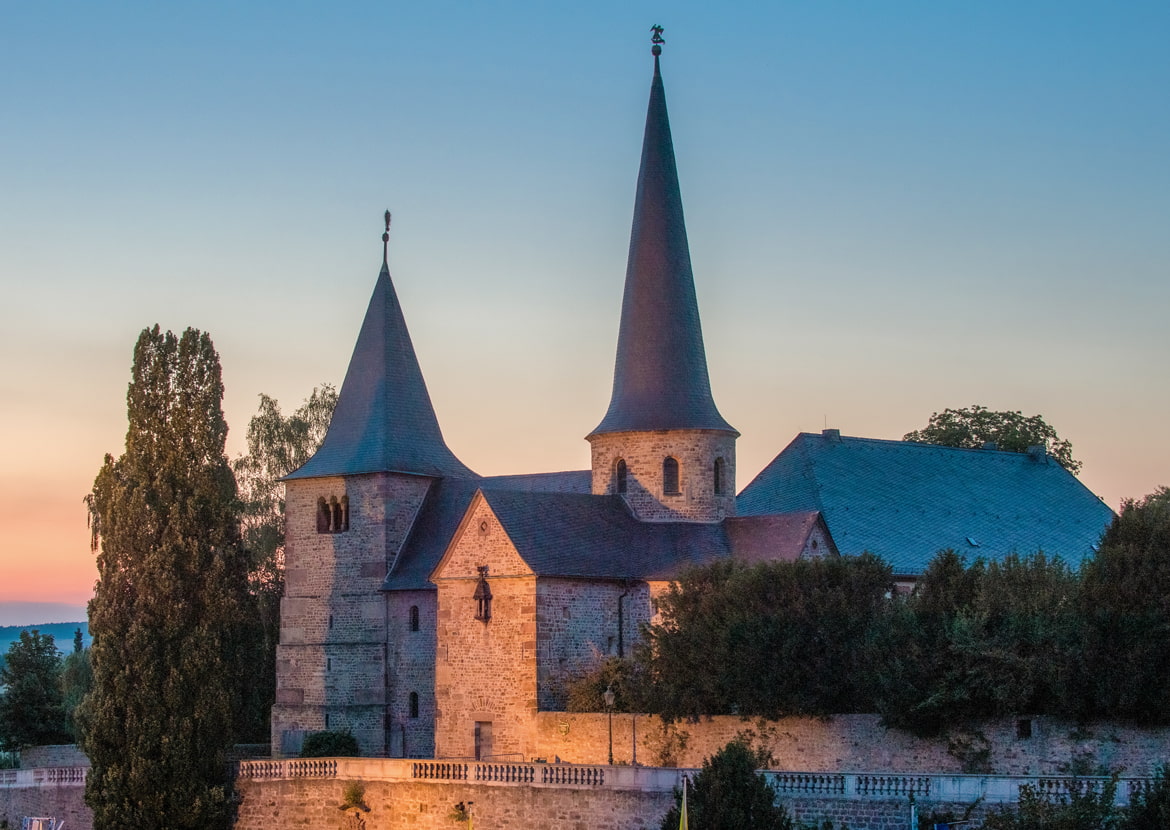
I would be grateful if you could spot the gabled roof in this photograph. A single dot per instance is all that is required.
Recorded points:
(660, 378)
(780, 537)
(446, 503)
(384, 421)
(597, 537)
(905, 502)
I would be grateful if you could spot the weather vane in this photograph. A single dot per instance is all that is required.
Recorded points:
(386, 238)
(657, 40)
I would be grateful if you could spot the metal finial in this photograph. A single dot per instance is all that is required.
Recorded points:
(657, 40)
(386, 239)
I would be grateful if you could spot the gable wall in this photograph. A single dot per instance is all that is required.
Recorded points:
(484, 671)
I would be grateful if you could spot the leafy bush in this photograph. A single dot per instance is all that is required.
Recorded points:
(728, 794)
(330, 744)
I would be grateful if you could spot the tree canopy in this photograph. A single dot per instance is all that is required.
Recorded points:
(728, 794)
(32, 711)
(277, 445)
(171, 593)
(769, 640)
(973, 426)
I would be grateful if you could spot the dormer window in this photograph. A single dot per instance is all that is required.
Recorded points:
(332, 514)
(483, 596)
(670, 477)
(717, 477)
(621, 475)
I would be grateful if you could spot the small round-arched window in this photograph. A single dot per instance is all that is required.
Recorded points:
(670, 477)
(622, 475)
(717, 477)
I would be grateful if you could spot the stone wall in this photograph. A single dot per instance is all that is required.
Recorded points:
(332, 669)
(60, 755)
(485, 670)
(644, 453)
(412, 671)
(57, 793)
(859, 742)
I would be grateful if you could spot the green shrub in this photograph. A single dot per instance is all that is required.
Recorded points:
(330, 744)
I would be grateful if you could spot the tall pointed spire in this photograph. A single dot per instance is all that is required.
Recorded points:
(660, 378)
(384, 421)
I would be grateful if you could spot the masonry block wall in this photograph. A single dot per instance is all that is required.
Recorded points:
(411, 624)
(485, 669)
(580, 622)
(332, 667)
(696, 452)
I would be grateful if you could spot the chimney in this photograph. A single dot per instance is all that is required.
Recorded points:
(831, 434)
(990, 445)
(1038, 452)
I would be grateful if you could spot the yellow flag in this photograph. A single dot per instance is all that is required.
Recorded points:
(682, 820)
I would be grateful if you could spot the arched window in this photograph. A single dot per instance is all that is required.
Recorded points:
(670, 477)
(414, 618)
(322, 515)
(622, 475)
(717, 476)
(414, 704)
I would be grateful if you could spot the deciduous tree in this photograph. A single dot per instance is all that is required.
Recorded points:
(974, 426)
(171, 592)
(277, 445)
(32, 711)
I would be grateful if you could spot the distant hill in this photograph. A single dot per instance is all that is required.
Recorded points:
(62, 635)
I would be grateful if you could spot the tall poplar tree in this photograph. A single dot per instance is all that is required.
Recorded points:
(166, 612)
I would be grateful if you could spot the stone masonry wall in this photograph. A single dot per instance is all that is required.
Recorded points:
(427, 806)
(856, 743)
(485, 671)
(412, 670)
(60, 801)
(332, 667)
(644, 452)
(577, 624)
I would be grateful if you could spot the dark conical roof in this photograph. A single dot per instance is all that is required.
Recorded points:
(660, 378)
(384, 421)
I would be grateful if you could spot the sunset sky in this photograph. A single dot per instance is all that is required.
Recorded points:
(893, 208)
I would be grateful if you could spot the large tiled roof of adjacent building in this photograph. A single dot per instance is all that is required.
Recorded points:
(905, 502)
(384, 420)
(660, 376)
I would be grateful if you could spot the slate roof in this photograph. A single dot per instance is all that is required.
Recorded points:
(904, 502)
(772, 538)
(660, 378)
(446, 503)
(596, 537)
(384, 420)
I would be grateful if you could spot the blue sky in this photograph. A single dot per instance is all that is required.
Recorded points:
(893, 208)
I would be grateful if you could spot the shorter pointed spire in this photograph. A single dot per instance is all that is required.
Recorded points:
(384, 420)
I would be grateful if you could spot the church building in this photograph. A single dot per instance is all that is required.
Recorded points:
(432, 611)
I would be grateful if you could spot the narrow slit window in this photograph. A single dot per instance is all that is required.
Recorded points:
(717, 476)
(414, 618)
(414, 704)
(670, 477)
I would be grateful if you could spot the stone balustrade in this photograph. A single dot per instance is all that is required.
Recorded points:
(959, 789)
(43, 776)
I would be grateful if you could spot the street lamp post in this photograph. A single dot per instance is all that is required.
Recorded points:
(609, 696)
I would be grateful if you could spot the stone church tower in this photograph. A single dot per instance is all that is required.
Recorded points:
(349, 510)
(663, 445)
